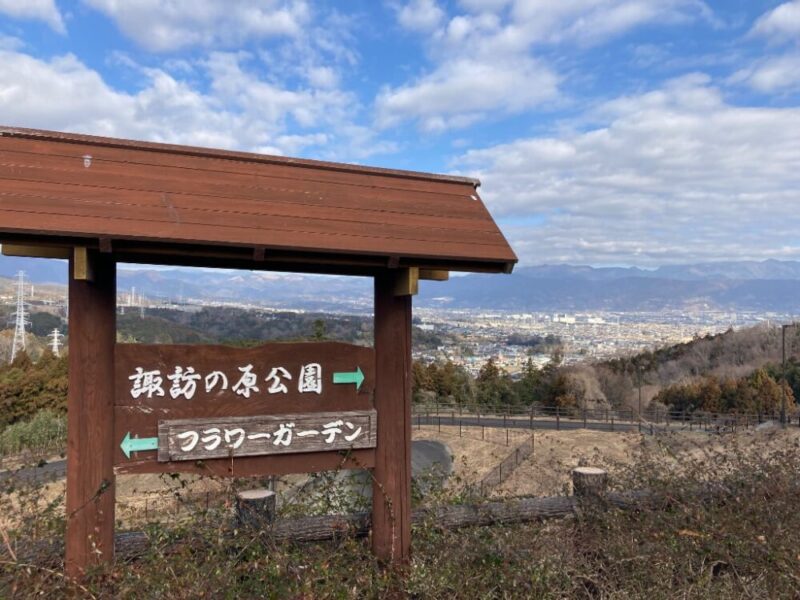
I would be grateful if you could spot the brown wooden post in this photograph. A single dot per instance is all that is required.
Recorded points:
(90, 412)
(391, 491)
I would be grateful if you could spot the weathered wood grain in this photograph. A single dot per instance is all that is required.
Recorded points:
(233, 437)
(140, 416)
(90, 415)
(160, 194)
(391, 490)
(255, 466)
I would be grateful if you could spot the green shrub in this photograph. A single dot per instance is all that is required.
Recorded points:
(45, 432)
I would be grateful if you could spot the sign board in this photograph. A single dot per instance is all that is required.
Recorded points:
(180, 403)
(198, 439)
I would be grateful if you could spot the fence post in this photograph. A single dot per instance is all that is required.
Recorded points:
(584, 417)
(459, 427)
(558, 420)
(439, 417)
(612, 422)
(506, 436)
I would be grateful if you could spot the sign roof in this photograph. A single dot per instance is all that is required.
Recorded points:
(170, 204)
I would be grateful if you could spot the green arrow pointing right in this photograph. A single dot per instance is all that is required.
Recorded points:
(356, 377)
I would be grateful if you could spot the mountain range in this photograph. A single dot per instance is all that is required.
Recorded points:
(770, 285)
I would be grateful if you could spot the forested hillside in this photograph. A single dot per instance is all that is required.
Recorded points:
(736, 371)
(26, 387)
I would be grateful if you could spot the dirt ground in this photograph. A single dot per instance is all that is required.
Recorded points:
(548, 471)
(475, 452)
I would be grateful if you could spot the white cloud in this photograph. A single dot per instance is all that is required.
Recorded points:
(41, 10)
(775, 73)
(420, 15)
(161, 26)
(9, 42)
(780, 24)
(772, 74)
(673, 175)
(484, 59)
(497, 27)
(240, 110)
(462, 91)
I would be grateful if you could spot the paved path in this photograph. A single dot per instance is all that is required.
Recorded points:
(51, 471)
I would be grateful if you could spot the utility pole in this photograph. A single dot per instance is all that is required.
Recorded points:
(55, 341)
(20, 318)
(783, 371)
(639, 380)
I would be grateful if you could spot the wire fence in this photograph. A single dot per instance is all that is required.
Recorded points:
(651, 420)
(503, 471)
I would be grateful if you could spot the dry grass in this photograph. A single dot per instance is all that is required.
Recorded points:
(556, 453)
(739, 542)
(473, 457)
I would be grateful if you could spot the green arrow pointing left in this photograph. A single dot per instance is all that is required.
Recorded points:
(130, 444)
(356, 377)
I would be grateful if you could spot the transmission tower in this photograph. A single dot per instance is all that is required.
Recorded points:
(55, 341)
(20, 318)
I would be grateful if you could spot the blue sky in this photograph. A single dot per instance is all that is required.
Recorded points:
(605, 132)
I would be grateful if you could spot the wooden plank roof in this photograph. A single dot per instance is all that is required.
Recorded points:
(183, 205)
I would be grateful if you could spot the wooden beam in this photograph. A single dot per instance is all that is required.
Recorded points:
(35, 251)
(406, 282)
(90, 415)
(81, 266)
(242, 257)
(391, 488)
(434, 274)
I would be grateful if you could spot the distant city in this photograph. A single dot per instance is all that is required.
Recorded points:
(456, 312)
(584, 336)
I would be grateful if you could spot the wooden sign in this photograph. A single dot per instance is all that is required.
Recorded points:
(200, 439)
(239, 402)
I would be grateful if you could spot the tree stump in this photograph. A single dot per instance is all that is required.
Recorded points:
(589, 482)
(255, 509)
